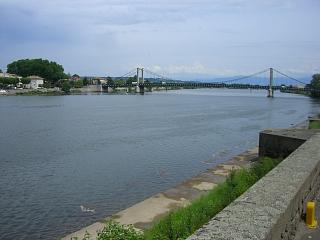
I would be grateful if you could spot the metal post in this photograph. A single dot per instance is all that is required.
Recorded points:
(270, 91)
(137, 86)
(138, 76)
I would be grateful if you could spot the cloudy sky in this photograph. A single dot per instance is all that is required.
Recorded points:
(185, 38)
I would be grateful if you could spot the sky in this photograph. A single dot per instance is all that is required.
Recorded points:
(188, 39)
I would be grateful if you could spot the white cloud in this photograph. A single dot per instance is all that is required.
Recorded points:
(213, 37)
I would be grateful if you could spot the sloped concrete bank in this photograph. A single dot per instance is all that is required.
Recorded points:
(272, 208)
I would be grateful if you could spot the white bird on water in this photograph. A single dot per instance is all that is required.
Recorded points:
(85, 209)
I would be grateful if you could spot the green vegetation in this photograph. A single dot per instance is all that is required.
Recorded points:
(314, 125)
(110, 80)
(77, 84)
(131, 79)
(40, 93)
(183, 222)
(85, 81)
(49, 70)
(115, 231)
(315, 85)
(25, 80)
(8, 81)
(66, 86)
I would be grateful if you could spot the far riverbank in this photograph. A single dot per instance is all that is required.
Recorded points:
(90, 89)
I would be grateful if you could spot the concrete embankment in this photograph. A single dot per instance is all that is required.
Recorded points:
(144, 214)
(272, 208)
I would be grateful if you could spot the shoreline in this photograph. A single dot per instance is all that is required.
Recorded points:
(87, 90)
(96, 90)
(142, 215)
(145, 213)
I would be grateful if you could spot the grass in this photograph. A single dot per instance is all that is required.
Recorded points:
(314, 125)
(183, 222)
(115, 231)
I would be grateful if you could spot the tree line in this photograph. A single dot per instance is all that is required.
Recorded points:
(46, 69)
(5, 81)
(315, 85)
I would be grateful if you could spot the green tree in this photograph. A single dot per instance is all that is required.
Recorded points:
(0, 71)
(66, 86)
(110, 80)
(47, 84)
(149, 87)
(131, 79)
(8, 81)
(78, 84)
(25, 80)
(49, 70)
(315, 85)
(85, 81)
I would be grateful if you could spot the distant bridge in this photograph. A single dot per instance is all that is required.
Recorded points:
(161, 81)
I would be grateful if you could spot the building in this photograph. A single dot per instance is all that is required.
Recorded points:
(75, 77)
(103, 80)
(35, 82)
(9, 75)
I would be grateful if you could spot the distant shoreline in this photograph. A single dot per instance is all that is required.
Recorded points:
(90, 89)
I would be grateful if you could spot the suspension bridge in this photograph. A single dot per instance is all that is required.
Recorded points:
(136, 79)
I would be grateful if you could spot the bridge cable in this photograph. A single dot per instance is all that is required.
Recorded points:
(159, 75)
(128, 73)
(294, 79)
(245, 77)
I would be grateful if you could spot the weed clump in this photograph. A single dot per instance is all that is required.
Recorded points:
(115, 231)
(314, 125)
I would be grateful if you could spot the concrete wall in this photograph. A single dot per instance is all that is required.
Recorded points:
(90, 88)
(272, 208)
(282, 142)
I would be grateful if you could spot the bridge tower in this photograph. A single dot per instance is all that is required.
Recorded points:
(137, 86)
(140, 85)
(270, 90)
(142, 69)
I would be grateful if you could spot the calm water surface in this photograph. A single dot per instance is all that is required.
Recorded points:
(107, 152)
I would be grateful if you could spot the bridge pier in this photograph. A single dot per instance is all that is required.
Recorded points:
(137, 90)
(270, 93)
(141, 89)
(109, 89)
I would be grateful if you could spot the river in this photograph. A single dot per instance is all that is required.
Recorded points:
(107, 152)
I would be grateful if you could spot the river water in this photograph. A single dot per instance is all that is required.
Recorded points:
(107, 152)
